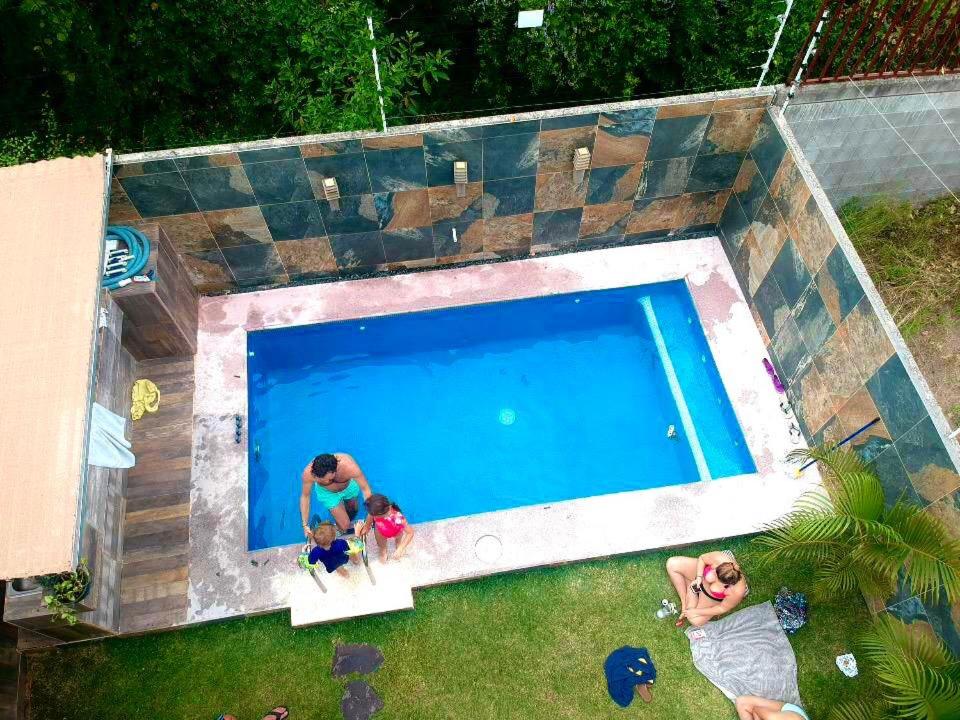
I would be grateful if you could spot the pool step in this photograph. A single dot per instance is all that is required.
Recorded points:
(352, 596)
(690, 429)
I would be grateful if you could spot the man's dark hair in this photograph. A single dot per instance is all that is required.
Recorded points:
(323, 465)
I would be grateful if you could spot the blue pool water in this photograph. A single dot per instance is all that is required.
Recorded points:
(486, 407)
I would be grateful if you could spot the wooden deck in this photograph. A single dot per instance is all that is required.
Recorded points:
(153, 584)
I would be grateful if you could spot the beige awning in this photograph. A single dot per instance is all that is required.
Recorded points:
(51, 233)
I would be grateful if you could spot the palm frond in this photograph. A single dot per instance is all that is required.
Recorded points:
(917, 690)
(858, 494)
(932, 557)
(867, 710)
(890, 637)
(804, 538)
(846, 573)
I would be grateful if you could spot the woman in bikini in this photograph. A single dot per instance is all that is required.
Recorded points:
(709, 585)
(337, 482)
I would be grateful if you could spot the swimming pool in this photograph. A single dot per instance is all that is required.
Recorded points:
(487, 407)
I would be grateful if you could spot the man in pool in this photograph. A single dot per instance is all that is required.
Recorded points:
(337, 482)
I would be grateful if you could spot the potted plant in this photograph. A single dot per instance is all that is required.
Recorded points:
(62, 591)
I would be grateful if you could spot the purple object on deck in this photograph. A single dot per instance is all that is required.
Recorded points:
(778, 386)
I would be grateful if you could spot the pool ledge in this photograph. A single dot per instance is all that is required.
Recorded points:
(226, 580)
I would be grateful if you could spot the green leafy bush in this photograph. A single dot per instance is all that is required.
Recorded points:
(64, 590)
(327, 83)
(81, 75)
(852, 541)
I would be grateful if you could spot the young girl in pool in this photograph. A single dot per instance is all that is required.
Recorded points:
(388, 522)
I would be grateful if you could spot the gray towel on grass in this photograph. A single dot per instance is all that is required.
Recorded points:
(747, 653)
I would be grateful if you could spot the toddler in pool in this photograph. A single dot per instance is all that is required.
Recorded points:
(388, 522)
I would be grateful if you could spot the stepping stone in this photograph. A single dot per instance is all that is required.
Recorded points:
(361, 659)
(360, 701)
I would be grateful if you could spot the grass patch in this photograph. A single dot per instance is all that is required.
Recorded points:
(913, 255)
(524, 645)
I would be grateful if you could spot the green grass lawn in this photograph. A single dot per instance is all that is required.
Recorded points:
(525, 645)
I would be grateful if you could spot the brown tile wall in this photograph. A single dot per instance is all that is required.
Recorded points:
(834, 355)
(257, 218)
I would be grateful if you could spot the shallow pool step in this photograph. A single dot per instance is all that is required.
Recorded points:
(686, 419)
(352, 596)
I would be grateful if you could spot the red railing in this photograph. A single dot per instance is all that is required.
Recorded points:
(868, 39)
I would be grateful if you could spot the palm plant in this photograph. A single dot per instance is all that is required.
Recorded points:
(852, 541)
(919, 678)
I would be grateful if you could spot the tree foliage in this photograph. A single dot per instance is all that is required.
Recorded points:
(852, 541)
(80, 75)
(326, 81)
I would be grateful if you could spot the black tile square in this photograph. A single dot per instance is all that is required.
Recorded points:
(158, 195)
(350, 171)
(358, 251)
(249, 262)
(220, 188)
(395, 170)
(408, 244)
(293, 221)
(279, 181)
(510, 156)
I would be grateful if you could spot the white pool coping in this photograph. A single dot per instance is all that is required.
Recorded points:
(226, 580)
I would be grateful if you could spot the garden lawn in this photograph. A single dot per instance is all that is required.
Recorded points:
(525, 645)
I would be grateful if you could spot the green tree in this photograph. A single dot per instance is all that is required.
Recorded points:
(327, 83)
(852, 541)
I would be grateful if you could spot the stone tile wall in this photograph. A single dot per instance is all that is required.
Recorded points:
(832, 341)
(892, 137)
(255, 218)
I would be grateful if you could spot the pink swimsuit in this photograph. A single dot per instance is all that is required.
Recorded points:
(706, 591)
(391, 524)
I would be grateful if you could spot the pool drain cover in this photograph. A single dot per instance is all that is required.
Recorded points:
(508, 416)
(488, 548)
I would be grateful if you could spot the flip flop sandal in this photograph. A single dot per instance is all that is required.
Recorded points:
(643, 690)
(278, 713)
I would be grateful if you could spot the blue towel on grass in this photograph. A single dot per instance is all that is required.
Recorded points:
(626, 668)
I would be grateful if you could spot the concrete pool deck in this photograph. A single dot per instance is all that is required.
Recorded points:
(227, 580)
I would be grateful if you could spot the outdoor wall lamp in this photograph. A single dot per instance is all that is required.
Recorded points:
(331, 192)
(460, 177)
(581, 159)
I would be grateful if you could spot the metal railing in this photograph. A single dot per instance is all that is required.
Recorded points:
(870, 39)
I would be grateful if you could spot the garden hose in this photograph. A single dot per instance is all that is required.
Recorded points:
(138, 250)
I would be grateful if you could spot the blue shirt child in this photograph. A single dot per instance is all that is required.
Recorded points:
(332, 557)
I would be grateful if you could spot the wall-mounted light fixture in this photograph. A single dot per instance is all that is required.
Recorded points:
(331, 192)
(581, 163)
(460, 177)
(581, 158)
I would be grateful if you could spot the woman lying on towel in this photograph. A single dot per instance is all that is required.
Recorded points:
(708, 586)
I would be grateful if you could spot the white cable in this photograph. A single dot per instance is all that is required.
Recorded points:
(376, 72)
(776, 41)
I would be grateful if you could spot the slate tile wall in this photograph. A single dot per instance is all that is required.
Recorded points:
(256, 218)
(828, 345)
